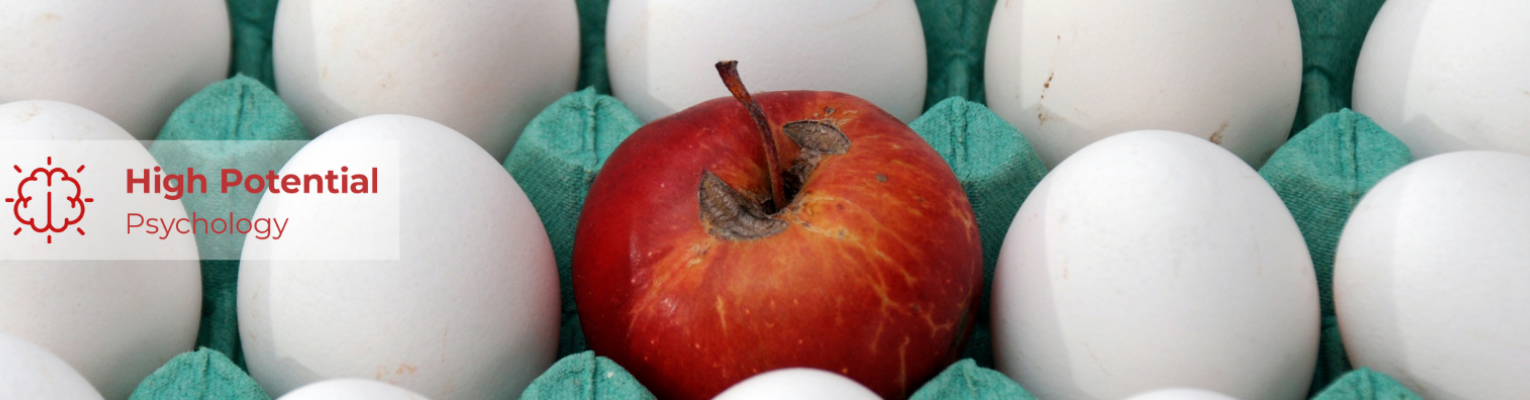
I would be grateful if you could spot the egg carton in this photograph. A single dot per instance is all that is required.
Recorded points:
(1334, 157)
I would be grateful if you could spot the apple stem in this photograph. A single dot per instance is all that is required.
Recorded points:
(729, 72)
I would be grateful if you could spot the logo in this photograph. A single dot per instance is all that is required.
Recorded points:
(187, 207)
(48, 200)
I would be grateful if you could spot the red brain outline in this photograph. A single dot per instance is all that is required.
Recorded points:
(26, 210)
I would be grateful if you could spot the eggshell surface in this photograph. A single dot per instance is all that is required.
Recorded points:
(1155, 259)
(661, 53)
(113, 321)
(1068, 73)
(1448, 76)
(1180, 394)
(469, 310)
(27, 371)
(797, 384)
(481, 67)
(1432, 277)
(131, 61)
(351, 389)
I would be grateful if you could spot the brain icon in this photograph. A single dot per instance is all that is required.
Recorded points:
(49, 200)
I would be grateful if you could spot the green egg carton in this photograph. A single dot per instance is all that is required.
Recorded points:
(1334, 156)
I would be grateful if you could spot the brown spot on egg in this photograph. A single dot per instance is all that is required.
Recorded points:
(27, 115)
(1216, 137)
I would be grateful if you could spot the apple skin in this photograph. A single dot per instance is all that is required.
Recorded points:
(877, 277)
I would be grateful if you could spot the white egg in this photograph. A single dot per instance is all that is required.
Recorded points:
(1432, 277)
(1155, 259)
(661, 52)
(469, 310)
(28, 371)
(1180, 394)
(483, 68)
(351, 389)
(131, 61)
(115, 321)
(1448, 75)
(797, 384)
(1068, 72)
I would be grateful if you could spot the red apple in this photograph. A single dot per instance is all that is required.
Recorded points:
(688, 275)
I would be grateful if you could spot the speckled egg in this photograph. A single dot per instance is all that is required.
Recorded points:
(797, 384)
(114, 320)
(1448, 75)
(661, 52)
(469, 309)
(28, 371)
(351, 389)
(131, 61)
(1180, 394)
(1071, 72)
(1155, 259)
(1431, 282)
(483, 68)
